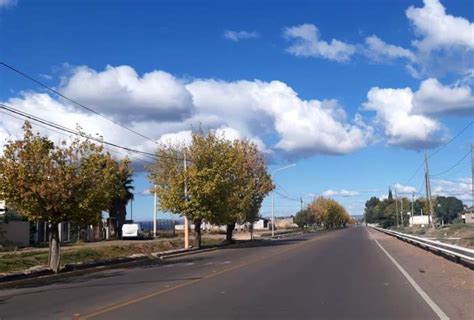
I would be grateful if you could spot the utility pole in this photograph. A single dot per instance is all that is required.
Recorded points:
(301, 200)
(472, 176)
(396, 207)
(401, 210)
(186, 221)
(154, 212)
(273, 197)
(412, 206)
(428, 191)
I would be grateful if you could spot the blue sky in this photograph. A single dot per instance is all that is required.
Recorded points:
(353, 92)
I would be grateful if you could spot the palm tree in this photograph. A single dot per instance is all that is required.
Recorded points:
(123, 194)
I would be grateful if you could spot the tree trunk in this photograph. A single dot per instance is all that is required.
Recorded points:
(121, 216)
(229, 231)
(54, 250)
(197, 233)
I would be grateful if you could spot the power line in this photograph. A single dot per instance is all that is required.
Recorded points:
(451, 140)
(439, 149)
(286, 197)
(23, 74)
(64, 134)
(453, 166)
(80, 134)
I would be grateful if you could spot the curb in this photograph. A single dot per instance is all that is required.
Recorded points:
(45, 275)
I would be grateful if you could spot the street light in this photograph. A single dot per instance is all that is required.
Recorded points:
(273, 197)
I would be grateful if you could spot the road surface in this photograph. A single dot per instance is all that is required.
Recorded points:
(343, 274)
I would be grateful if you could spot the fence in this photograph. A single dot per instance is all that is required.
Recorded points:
(457, 252)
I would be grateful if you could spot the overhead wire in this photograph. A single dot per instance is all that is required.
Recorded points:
(460, 132)
(452, 167)
(25, 75)
(80, 134)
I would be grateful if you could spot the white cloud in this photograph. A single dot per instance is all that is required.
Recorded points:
(401, 127)
(307, 43)
(343, 193)
(438, 29)
(7, 3)
(402, 189)
(121, 92)
(329, 193)
(180, 138)
(304, 127)
(166, 108)
(378, 50)
(44, 106)
(434, 98)
(460, 188)
(237, 36)
(445, 43)
(348, 193)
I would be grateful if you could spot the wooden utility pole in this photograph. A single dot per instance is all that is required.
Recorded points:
(186, 221)
(401, 210)
(396, 207)
(428, 192)
(472, 177)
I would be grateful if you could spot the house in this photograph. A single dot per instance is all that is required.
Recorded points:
(285, 222)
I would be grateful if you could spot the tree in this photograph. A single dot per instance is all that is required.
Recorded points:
(207, 178)
(304, 218)
(448, 208)
(123, 193)
(369, 212)
(55, 183)
(250, 183)
(329, 213)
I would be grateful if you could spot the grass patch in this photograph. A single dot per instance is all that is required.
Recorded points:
(17, 261)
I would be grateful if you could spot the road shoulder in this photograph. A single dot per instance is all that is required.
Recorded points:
(450, 285)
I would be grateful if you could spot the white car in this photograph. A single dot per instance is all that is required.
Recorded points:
(131, 230)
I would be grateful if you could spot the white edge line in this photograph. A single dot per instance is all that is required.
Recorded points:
(415, 285)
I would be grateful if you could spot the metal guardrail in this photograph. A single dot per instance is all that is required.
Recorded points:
(457, 252)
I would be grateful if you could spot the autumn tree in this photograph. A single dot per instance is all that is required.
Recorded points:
(250, 183)
(328, 212)
(207, 179)
(55, 183)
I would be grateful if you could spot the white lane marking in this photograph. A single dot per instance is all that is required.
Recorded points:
(415, 285)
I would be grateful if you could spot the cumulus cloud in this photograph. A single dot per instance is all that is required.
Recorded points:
(307, 43)
(343, 193)
(237, 36)
(379, 51)
(394, 113)
(437, 29)
(122, 93)
(434, 98)
(166, 108)
(401, 189)
(444, 43)
(460, 188)
(44, 106)
(304, 127)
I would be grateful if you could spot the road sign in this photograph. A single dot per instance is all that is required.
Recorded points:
(2, 207)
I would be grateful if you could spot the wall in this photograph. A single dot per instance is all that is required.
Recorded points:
(419, 220)
(15, 233)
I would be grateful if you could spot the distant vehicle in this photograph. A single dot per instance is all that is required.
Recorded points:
(132, 231)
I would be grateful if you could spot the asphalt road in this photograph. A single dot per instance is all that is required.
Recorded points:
(341, 274)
